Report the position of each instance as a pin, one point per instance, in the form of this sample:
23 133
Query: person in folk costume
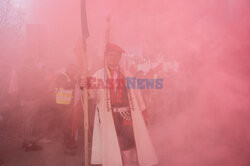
120 136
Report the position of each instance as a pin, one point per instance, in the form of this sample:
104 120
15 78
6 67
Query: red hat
111 47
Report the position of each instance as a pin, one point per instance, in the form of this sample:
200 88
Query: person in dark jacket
65 86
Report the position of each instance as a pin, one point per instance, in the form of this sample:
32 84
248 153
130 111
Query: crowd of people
48 105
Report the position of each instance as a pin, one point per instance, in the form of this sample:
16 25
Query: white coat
105 146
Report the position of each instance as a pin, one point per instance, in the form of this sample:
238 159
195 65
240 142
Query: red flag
85 30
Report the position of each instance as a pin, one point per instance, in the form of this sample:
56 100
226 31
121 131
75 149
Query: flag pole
85 106
85 35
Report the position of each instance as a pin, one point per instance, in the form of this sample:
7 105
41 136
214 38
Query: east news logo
128 83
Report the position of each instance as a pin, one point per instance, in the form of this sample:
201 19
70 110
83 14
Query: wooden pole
85 34
85 106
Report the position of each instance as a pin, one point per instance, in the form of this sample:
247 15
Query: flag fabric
81 42
84 21
78 52
81 58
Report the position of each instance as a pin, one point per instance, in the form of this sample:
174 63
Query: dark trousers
64 119
124 132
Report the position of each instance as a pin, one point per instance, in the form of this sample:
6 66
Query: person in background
65 85
30 92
